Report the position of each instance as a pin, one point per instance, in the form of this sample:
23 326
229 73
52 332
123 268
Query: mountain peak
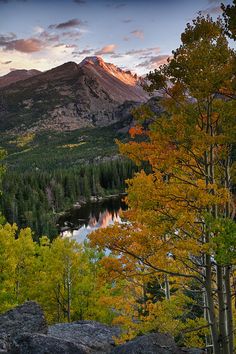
95 60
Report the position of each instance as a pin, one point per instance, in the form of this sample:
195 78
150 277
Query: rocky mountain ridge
69 97
17 75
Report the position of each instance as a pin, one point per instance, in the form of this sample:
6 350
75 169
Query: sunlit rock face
104 220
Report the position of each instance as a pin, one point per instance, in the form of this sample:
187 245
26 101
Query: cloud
108 49
126 38
214 10
68 24
115 56
86 51
23 45
71 46
127 20
4 38
58 45
145 51
72 34
6 62
80 2
116 6
49 37
138 34
38 29
154 62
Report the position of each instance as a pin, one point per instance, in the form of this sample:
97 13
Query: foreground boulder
153 343
97 337
23 330
34 343
28 317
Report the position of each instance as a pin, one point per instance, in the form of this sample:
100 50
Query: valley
59 129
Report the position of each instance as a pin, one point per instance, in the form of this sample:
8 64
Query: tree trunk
223 335
210 305
167 287
229 310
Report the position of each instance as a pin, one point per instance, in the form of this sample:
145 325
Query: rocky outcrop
153 343
42 344
26 318
97 337
24 330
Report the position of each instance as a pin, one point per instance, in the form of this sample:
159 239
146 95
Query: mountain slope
17 75
70 97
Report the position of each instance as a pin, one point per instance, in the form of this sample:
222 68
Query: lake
78 222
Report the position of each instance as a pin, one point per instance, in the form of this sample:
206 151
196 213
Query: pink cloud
24 45
145 51
108 49
154 62
138 34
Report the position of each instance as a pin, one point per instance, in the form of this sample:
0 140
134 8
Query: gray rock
41 344
154 343
3 343
93 335
194 351
24 330
28 317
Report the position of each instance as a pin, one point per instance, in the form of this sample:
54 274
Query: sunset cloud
71 46
144 51
86 51
49 37
68 24
4 38
38 29
72 34
23 45
154 62
108 49
6 62
138 34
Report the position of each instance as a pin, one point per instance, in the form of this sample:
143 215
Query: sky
138 35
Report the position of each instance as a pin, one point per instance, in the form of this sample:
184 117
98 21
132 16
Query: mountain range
17 75
69 97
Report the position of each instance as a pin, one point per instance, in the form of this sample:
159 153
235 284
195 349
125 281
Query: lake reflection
79 222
